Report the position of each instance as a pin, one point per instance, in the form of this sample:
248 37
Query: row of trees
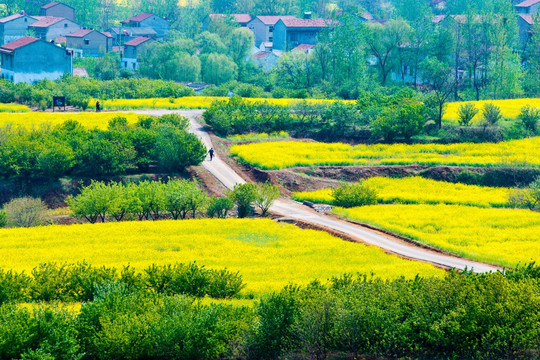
458 316
175 199
71 149
375 115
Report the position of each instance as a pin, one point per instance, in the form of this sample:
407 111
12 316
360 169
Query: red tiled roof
80 71
46 21
527 17
366 15
303 47
273 19
305 23
10 17
137 41
60 39
260 55
107 34
437 19
242 18
138 18
10 47
117 48
80 33
527 3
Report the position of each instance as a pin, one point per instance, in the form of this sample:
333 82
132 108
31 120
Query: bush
267 193
219 207
56 160
357 194
466 113
528 197
491 114
176 149
529 117
244 195
3 220
26 212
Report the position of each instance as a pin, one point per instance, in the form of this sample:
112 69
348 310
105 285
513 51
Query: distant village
37 47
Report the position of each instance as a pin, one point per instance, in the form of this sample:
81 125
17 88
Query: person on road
211 153
98 108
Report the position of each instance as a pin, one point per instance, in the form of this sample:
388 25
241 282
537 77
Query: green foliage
244 195
170 61
3 220
529 117
491 114
404 121
466 113
528 197
218 68
26 212
355 194
267 193
219 206
176 149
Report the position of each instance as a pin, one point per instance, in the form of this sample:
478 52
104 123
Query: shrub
528 197
357 194
3 220
26 212
466 113
491 114
529 117
55 160
244 195
267 193
176 149
219 207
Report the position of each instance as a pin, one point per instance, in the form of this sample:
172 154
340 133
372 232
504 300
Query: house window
270 39
25 20
65 25
86 41
271 29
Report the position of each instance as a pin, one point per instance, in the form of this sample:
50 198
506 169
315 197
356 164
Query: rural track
296 211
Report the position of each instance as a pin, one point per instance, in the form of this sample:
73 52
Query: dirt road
294 210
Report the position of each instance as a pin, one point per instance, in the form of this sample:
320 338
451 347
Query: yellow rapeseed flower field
510 108
498 236
190 102
419 190
268 255
16 108
87 119
283 154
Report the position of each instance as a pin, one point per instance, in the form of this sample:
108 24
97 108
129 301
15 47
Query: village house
289 33
266 60
58 9
122 35
304 48
30 59
147 20
14 27
263 27
241 20
132 49
528 7
91 42
525 23
49 27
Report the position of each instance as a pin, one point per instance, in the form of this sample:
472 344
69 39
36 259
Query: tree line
71 149
461 315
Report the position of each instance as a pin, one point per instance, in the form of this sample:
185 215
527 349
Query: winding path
291 209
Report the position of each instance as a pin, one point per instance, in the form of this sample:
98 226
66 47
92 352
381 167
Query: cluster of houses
37 47
54 37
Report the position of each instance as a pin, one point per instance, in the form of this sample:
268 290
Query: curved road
291 209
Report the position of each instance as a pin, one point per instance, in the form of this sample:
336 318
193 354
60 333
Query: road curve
291 209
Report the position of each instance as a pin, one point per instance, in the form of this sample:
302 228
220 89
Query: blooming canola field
284 154
267 254
87 119
510 108
498 236
418 190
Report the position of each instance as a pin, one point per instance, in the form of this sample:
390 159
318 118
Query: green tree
529 117
219 206
383 42
491 114
240 44
244 195
92 203
56 160
466 113
218 69
439 76
267 193
177 149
